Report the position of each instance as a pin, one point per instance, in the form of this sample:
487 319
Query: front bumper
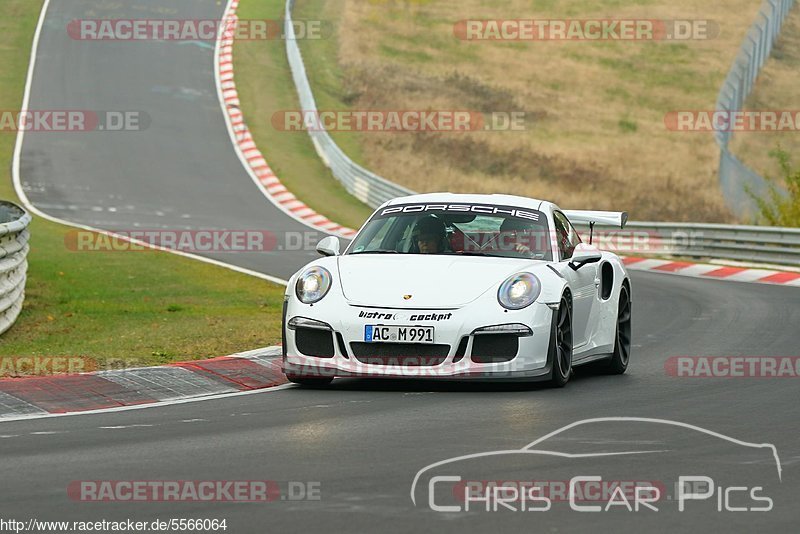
455 333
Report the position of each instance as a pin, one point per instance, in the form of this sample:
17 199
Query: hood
432 281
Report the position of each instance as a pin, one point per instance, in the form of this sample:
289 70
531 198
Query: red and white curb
271 184
713 272
37 396
32 397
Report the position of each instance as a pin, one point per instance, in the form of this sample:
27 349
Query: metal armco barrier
745 243
735 178
13 261
366 186
758 244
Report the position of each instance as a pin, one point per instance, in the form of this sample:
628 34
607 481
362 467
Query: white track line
15 174
232 133
245 146
151 405
15 171
248 355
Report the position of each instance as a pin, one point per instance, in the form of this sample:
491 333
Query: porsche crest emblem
406 297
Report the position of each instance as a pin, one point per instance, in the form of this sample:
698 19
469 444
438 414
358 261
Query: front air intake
494 348
314 342
406 354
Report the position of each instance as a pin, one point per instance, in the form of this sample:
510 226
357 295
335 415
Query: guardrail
743 243
363 184
758 244
14 248
735 177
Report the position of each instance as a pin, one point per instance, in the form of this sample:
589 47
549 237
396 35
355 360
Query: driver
430 235
519 233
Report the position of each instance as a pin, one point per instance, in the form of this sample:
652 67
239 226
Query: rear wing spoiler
610 218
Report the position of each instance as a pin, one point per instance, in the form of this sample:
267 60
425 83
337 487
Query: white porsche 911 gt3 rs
442 285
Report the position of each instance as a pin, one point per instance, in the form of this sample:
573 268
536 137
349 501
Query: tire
618 363
310 382
561 344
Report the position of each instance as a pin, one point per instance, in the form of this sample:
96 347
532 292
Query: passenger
430 236
516 235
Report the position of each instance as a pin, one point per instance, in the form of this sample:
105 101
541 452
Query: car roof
497 199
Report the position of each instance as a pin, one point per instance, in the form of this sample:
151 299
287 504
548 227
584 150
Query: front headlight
313 284
519 291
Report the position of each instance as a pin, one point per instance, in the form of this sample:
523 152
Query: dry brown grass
595 135
777 88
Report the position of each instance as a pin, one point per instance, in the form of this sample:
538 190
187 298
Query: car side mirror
584 254
329 246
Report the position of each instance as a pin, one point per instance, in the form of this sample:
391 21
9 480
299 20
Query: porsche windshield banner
478 209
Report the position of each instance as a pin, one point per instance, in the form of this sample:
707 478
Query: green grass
140 307
265 86
407 55
627 125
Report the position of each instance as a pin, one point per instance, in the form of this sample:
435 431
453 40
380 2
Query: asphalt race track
180 171
362 442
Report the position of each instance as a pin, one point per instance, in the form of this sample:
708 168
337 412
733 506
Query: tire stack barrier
14 248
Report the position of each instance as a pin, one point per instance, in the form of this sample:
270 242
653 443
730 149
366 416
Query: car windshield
456 229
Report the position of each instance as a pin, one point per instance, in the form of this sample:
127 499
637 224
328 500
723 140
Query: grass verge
265 86
146 308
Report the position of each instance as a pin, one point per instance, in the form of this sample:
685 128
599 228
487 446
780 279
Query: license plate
398 334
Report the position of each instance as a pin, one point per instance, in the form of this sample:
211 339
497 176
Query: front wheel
618 363
561 344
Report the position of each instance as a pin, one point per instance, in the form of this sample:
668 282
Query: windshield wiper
377 251
476 253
